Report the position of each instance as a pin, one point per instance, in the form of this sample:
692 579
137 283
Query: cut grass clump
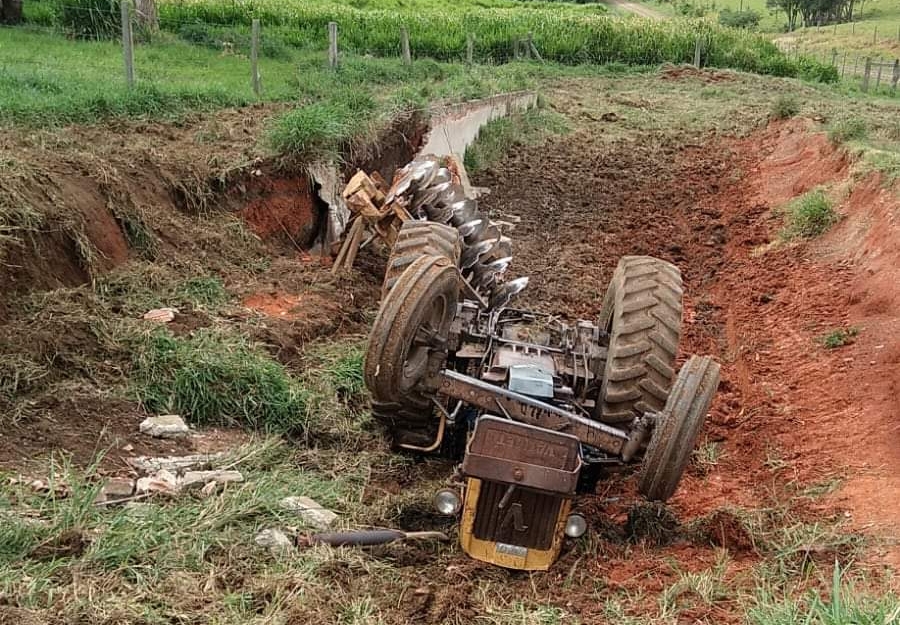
839 338
218 379
809 216
321 128
785 107
204 291
847 129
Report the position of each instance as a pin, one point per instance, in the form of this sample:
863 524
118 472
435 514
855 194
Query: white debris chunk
175 464
161 482
311 511
161 315
274 540
165 426
116 488
198 479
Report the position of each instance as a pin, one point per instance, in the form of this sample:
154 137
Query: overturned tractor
535 408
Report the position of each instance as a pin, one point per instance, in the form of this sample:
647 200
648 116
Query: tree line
814 12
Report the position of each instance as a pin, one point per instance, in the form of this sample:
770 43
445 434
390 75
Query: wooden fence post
834 57
697 53
878 75
534 50
127 43
516 51
843 65
332 45
470 48
528 45
896 77
254 57
868 71
404 46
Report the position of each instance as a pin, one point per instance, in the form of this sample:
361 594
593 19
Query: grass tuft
215 378
846 129
843 605
809 216
500 136
785 107
839 337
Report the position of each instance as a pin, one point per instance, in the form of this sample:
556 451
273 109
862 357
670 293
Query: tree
791 9
10 11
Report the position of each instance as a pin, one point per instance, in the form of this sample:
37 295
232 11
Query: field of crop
565 33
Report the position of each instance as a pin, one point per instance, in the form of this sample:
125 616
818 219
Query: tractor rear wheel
642 312
408 345
677 428
417 239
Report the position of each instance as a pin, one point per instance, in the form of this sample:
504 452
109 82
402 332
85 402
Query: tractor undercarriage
530 404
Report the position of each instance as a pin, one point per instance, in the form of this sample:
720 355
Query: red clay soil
788 411
281 207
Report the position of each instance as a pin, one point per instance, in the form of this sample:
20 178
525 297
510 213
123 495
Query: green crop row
561 32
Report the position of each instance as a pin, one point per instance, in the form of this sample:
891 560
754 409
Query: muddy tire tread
417 239
678 427
642 309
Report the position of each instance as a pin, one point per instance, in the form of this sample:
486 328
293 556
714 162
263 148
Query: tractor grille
528 519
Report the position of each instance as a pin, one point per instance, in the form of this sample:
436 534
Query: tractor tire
417 239
408 343
677 428
642 312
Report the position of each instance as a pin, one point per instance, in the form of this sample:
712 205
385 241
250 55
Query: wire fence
870 73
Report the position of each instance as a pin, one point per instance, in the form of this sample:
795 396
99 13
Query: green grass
785 107
847 128
843 604
212 378
501 135
839 337
809 216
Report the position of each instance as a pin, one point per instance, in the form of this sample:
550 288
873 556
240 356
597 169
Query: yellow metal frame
486 551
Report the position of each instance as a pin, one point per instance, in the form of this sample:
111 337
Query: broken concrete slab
310 511
175 464
165 426
161 482
116 488
274 540
199 479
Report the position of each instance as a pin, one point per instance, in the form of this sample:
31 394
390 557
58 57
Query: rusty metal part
438 439
531 411
523 455
364 538
639 435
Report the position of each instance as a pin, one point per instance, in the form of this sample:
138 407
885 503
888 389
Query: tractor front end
520 481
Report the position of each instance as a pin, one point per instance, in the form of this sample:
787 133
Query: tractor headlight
576 526
447 501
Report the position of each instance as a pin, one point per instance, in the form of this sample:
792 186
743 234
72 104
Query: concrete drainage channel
453 129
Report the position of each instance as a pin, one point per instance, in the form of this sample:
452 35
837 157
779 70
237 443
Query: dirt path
641 10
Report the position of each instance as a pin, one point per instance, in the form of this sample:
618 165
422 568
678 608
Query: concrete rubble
175 464
161 482
165 426
274 540
116 488
310 511
199 479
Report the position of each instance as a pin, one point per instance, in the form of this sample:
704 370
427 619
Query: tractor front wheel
677 428
408 346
